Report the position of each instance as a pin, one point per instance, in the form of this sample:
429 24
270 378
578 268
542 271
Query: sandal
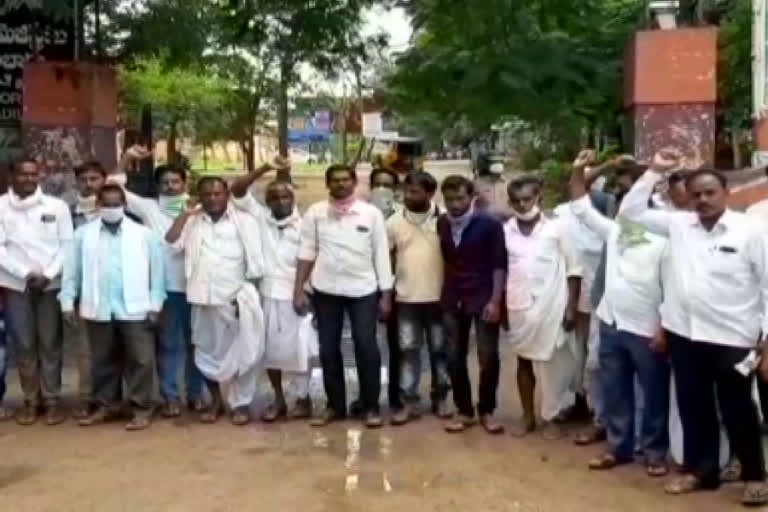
656 468
302 409
83 410
241 416
100 415
755 494
731 472
139 422
591 435
605 461
686 484
460 424
525 427
490 425
211 414
27 415
274 412
552 431
171 409
6 413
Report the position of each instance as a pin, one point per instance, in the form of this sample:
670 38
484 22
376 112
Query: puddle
10 475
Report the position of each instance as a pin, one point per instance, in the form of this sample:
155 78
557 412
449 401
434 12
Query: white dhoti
285 349
229 345
536 307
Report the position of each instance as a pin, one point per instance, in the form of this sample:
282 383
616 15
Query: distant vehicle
401 154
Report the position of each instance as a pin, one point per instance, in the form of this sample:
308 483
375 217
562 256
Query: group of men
606 303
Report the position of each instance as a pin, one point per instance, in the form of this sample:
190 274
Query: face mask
497 168
529 215
112 215
383 198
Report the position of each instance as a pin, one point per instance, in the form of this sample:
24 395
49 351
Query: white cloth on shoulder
229 344
249 231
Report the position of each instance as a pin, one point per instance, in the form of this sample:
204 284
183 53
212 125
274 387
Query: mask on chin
527 216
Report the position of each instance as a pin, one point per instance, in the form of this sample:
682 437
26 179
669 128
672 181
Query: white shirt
632 271
759 211
148 210
220 272
717 286
35 239
280 246
351 252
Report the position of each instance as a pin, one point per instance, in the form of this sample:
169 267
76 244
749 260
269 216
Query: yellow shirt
418 260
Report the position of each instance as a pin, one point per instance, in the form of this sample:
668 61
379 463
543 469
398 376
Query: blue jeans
174 345
3 356
623 356
417 322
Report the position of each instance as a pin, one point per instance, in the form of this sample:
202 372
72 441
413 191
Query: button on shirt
418 260
633 271
717 286
35 239
350 251
220 271
111 299
148 210
469 268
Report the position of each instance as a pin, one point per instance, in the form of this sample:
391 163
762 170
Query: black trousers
393 369
457 325
363 312
704 371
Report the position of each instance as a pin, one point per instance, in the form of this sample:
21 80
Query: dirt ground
184 466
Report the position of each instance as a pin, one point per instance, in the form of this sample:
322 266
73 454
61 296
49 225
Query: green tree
555 64
179 94
318 33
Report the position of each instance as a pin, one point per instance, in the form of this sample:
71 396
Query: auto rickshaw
401 154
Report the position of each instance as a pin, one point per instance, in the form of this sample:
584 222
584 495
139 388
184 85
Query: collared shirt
149 212
280 244
35 239
633 271
111 297
220 271
532 255
717 290
418 260
469 268
351 252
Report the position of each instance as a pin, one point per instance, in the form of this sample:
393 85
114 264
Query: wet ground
183 466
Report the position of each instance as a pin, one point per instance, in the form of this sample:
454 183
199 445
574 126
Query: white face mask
529 215
496 168
112 215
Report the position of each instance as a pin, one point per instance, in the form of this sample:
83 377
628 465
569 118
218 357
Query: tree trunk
205 157
344 138
736 147
171 149
248 154
282 116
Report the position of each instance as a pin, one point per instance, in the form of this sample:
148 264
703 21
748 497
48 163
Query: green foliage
179 93
735 66
552 63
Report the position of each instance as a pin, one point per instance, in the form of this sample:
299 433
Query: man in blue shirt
475 258
116 271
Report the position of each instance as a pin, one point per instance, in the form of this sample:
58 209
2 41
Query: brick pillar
70 112
670 92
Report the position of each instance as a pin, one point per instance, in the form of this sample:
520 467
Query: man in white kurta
542 293
222 251
285 350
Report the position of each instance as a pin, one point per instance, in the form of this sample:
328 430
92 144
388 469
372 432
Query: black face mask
281 211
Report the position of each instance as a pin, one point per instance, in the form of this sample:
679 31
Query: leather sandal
686 484
755 494
605 462
460 424
274 412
